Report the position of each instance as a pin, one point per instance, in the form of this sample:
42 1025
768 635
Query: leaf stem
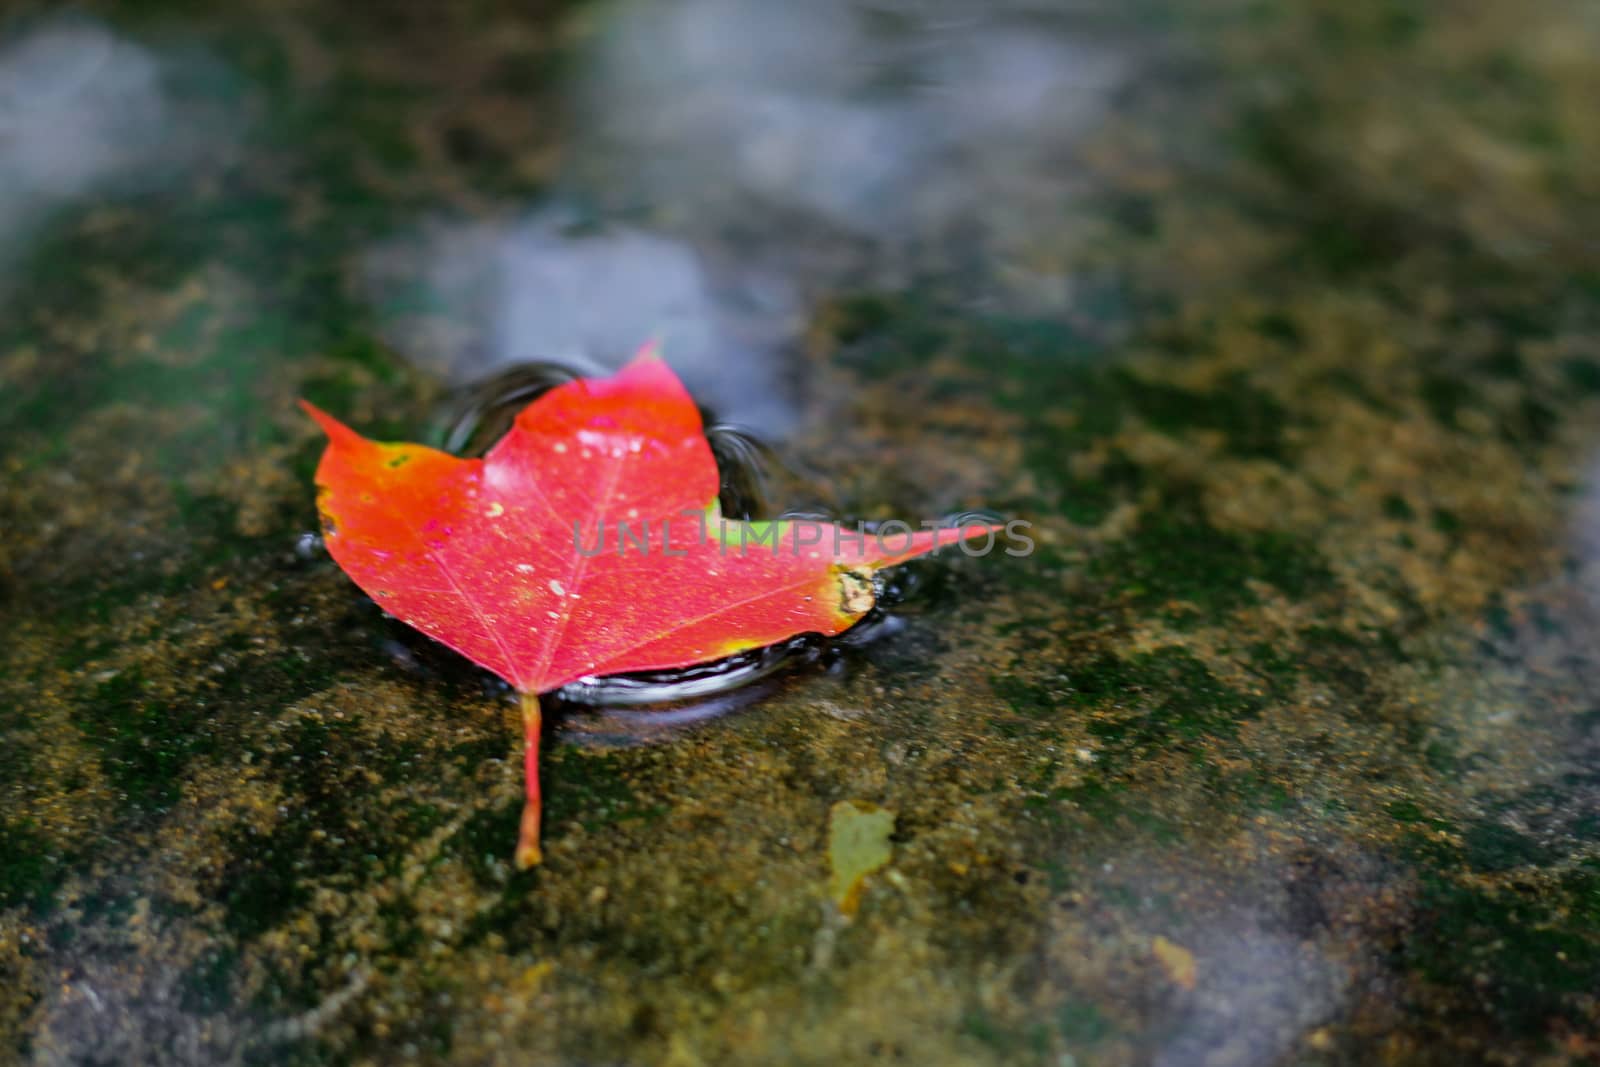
528 854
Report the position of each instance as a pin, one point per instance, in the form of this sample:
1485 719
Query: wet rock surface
1280 324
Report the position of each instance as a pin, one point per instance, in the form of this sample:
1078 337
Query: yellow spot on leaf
734 647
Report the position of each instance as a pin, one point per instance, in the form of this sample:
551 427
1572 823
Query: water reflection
550 288
765 158
892 121
85 111
650 706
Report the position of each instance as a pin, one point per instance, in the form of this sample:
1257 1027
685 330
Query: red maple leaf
587 542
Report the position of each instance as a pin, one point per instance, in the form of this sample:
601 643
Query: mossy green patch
591 788
332 826
207 985
1054 376
481 841
1086 499
1532 959
1080 1022
1251 421
30 871
1395 507
145 743
1157 699
1405 811
1446 396
1177 563
1251 789
1530 423
1491 846
1029 1044
1135 706
1582 374
1341 660
582 786
1339 233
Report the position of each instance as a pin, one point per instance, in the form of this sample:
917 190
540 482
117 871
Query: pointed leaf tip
338 432
923 543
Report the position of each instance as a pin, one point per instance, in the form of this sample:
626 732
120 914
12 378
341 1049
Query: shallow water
1281 323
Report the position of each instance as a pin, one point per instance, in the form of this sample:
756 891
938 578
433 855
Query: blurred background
1279 321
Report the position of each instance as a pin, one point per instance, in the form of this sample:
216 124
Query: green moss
1136 214
295 275
1524 957
206 986
1337 231
591 788
484 841
1446 395
1251 421
1447 522
1347 382
1395 507
1488 845
1440 756
1277 665
1505 362
1280 327
1087 499
1530 423
1079 1022
1156 697
1137 707
1177 563
886 334
1054 377
1030 1044
1032 365
582 786
1102 798
30 870
1249 790
1030 699
1582 374
265 887
1340 659
145 745
1404 811
1580 889
333 827
337 393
